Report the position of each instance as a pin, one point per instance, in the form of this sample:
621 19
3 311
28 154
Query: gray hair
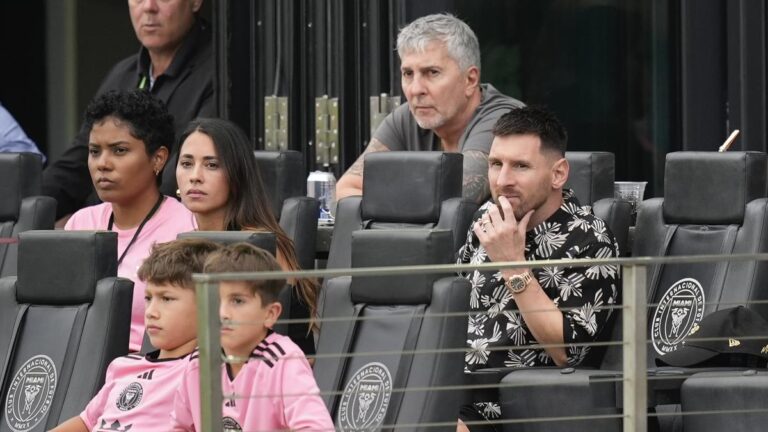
458 38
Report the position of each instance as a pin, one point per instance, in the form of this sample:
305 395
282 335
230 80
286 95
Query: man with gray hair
448 108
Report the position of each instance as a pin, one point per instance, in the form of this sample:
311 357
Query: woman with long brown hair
219 182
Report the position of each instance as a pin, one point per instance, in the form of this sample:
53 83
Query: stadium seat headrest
386 248
712 188
409 186
591 175
19 178
62 267
263 240
282 174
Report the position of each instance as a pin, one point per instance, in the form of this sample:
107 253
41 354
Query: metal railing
634 310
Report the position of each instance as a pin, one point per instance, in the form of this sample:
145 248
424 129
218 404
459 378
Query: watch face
516 283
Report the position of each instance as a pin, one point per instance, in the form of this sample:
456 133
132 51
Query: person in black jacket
175 64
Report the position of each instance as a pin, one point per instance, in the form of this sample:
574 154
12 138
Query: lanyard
138 230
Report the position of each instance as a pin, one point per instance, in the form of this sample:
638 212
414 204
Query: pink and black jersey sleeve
181 413
95 407
302 407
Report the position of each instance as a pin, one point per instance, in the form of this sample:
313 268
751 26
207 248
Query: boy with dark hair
269 385
138 390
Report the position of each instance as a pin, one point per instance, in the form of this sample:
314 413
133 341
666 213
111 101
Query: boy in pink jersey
272 386
138 390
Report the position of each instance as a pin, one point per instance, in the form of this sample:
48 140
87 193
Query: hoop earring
178 193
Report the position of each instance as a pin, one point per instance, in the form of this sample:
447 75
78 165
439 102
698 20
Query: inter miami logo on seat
230 425
366 398
679 310
130 397
30 393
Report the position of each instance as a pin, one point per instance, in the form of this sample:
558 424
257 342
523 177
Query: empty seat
724 391
591 178
285 182
62 321
20 207
404 190
714 203
371 327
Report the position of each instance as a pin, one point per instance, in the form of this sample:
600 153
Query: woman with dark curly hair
220 183
130 134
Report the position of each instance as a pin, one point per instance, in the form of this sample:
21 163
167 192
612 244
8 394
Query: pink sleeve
95 407
181 414
71 223
302 406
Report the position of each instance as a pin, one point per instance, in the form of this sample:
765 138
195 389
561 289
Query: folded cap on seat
726 337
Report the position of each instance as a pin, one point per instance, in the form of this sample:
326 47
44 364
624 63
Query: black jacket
186 87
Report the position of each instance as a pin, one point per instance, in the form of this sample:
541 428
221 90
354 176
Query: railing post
209 343
634 317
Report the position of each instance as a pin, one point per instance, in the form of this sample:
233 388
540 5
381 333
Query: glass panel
603 66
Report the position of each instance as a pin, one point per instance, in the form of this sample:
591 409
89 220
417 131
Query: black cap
735 336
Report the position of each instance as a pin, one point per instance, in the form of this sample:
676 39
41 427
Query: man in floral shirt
514 310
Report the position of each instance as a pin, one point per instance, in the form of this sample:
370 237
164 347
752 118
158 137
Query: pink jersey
275 390
137 395
170 219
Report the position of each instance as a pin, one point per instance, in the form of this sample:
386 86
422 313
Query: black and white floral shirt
571 232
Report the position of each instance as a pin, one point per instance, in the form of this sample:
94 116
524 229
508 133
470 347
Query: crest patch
679 311
230 425
30 393
366 398
130 397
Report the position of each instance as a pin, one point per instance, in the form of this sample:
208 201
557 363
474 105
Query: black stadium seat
369 357
591 177
714 204
285 182
62 321
263 240
20 207
404 190
724 391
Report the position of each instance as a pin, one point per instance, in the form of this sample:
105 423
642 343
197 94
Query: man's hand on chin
503 237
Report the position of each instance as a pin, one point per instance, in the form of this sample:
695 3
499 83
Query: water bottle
322 186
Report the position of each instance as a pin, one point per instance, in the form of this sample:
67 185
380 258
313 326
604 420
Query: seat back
263 240
284 178
20 207
383 334
714 203
591 178
591 175
62 321
404 190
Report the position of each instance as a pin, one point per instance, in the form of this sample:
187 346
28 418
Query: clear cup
630 191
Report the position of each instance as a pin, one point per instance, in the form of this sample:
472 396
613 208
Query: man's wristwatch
518 283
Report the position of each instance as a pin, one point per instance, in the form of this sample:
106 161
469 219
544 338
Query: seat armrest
484 383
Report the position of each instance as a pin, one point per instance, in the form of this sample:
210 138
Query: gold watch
519 282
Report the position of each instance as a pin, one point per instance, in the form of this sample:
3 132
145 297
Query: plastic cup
630 191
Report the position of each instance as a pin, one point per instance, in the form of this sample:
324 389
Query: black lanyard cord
138 230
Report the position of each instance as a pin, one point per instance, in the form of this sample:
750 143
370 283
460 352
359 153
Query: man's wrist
508 273
518 283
